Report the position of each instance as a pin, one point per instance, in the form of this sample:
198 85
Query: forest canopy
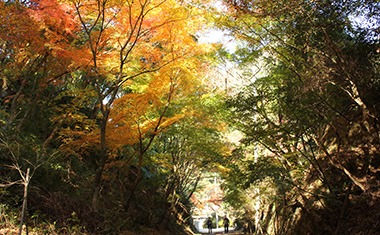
113 111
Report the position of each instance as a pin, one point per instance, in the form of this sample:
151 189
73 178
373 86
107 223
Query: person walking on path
209 225
226 223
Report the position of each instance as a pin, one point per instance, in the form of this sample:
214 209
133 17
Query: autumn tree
127 46
94 78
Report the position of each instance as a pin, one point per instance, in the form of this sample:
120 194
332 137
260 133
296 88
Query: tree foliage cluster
309 161
103 101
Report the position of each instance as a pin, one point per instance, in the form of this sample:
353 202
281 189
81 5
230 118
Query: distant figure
209 225
226 223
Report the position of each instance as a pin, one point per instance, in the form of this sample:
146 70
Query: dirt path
220 231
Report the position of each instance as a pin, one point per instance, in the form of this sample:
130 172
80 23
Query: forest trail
220 231
231 233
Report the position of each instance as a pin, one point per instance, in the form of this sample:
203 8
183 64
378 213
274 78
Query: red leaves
55 19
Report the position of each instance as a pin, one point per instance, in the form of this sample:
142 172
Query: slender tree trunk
97 185
100 167
24 202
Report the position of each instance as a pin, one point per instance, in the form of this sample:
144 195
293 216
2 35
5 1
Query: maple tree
139 56
96 82
99 77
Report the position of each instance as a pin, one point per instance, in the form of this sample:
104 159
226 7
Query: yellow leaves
122 34
136 116
135 104
132 116
78 142
223 170
78 135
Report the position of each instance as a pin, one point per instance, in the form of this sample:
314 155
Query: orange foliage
57 27
145 47
56 20
44 31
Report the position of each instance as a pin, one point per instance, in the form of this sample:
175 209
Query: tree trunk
24 202
100 167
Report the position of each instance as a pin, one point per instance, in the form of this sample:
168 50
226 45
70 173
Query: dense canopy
120 117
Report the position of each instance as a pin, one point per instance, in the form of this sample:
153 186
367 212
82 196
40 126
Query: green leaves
300 115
